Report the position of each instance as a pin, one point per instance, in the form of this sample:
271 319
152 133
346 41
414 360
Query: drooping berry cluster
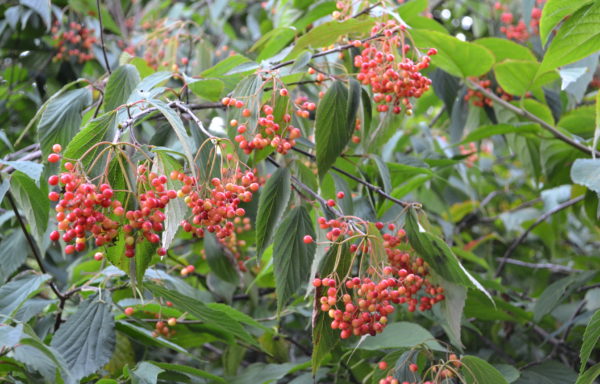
75 42
214 207
82 209
517 29
360 305
146 222
478 99
394 81
271 125
236 245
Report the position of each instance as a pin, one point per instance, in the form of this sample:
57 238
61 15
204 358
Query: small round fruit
54 235
382 365
129 311
172 322
98 256
53 158
56 148
340 195
413 367
307 239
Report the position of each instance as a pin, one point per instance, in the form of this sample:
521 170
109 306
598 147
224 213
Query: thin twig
102 37
370 186
530 116
540 220
182 107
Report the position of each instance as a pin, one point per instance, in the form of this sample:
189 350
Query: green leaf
549 372
262 373
209 89
144 336
61 119
220 263
188 371
346 203
273 42
14 293
39 357
328 33
504 49
509 372
401 335
33 203
558 291
333 130
452 311
540 110
586 172
30 168
578 37
87 339
553 12
272 202
292 258
589 376
120 85
94 131
590 339
42 8
517 77
384 172
10 336
456 57
210 316
478 371
13 253
146 373
177 125
485 131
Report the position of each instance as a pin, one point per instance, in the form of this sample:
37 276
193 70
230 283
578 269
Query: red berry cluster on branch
271 128
360 305
214 207
76 42
517 29
393 80
478 99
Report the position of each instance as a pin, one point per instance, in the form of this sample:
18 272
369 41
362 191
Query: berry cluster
271 129
214 207
146 222
471 150
518 30
236 245
82 208
392 81
76 42
478 99
360 305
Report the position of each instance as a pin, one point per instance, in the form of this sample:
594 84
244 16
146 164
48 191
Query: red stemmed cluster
517 30
215 207
76 42
236 245
393 81
270 129
146 222
478 99
82 208
360 305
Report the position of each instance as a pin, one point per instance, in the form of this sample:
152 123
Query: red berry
54 235
56 148
53 180
129 311
53 158
382 365
307 239
98 256
331 203
340 195
413 367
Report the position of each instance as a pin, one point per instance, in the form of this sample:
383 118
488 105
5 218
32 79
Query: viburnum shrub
359 303
299 191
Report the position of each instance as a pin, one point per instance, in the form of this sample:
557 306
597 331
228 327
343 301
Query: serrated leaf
94 131
589 376
586 172
517 77
456 57
486 131
87 339
578 37
120 85
189 371
13 253
39 357
401 335
218 261
210 316
292 258
10 336
15 292
30 168
273 199
553 12
146 373
558 291
332 128
32 202
504 49
345 203
590 339
61 119
209 89
384 172
328 33
452 311
478 371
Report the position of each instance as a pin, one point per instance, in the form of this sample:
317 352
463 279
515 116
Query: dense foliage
299 191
